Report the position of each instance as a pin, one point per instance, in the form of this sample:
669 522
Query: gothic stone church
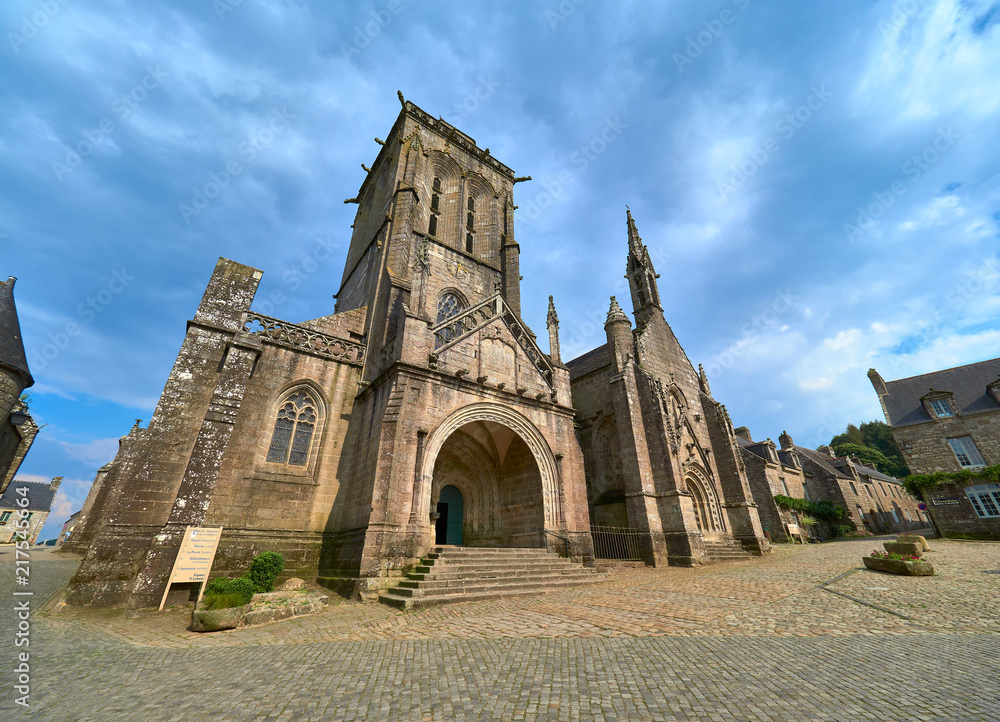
420 412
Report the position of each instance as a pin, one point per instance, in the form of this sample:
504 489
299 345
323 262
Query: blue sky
818 183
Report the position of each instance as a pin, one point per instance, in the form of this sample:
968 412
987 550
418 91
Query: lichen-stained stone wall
926 445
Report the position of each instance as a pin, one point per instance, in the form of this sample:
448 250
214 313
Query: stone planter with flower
903 564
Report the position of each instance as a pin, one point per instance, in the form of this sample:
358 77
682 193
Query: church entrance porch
487 489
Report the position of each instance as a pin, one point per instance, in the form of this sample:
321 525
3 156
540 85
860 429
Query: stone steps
464 574
721 551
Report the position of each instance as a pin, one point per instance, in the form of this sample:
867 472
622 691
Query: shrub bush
842 530
222 593
264 569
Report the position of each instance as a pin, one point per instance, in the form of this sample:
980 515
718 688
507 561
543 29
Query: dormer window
939 404
941 408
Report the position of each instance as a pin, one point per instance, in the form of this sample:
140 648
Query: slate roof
590 361
966 383
11 346
40 496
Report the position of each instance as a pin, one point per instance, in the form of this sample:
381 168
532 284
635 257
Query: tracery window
293 430
449 306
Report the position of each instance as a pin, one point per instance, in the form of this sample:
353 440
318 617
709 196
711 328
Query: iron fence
617 542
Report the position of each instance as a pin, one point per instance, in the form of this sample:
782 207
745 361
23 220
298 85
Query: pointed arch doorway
451 512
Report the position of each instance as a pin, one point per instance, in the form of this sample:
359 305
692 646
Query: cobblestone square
770 639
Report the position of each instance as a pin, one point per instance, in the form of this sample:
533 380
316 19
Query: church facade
421 412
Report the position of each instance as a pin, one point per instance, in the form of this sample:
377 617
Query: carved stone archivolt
532 437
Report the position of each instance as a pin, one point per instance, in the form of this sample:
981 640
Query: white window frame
942 408
985 499
966 452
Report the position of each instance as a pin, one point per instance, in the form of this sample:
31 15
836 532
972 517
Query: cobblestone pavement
761 640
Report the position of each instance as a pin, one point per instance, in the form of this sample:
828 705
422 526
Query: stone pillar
195 493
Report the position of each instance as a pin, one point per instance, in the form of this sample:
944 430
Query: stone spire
641 277
552 323
703 380
635 246
615 314
552 319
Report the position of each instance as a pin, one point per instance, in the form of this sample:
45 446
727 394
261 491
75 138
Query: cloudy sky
818 183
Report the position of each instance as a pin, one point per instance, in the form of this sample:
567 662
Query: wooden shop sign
194 558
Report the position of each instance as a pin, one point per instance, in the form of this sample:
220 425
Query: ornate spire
634 241
552 322
641 277
552 319
615 313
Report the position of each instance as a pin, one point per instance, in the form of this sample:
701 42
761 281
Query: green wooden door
453 498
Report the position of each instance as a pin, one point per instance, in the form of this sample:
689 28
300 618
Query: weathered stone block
915 538
896 566
904 548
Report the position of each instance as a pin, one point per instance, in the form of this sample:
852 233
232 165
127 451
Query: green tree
873 444
865 454
853 435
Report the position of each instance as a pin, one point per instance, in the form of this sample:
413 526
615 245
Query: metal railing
617 542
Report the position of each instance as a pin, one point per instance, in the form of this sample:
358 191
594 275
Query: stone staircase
725 551
465 574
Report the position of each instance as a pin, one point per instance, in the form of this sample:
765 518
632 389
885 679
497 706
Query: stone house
774 472
67 529
420 412
16 517
17 428
947 421
872 500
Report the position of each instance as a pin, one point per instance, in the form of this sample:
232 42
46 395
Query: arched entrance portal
492 473
450 509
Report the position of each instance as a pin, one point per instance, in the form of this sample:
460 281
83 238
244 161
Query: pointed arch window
449 306
470 224
435 207
293 430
